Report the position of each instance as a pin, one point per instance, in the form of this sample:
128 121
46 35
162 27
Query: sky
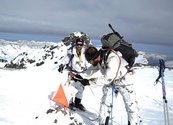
146 21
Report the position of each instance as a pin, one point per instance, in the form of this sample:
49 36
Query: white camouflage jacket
77 63
115 69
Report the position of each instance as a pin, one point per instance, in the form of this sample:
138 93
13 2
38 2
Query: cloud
138 21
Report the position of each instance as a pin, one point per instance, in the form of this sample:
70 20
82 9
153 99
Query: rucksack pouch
110 40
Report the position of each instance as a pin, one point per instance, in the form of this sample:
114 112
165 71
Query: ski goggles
79 44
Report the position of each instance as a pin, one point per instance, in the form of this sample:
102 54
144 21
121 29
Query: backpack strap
118 65
105 57
105 53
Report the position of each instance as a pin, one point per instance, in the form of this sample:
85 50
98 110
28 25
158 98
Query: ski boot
78 104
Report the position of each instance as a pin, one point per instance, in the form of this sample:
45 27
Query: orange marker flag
60 97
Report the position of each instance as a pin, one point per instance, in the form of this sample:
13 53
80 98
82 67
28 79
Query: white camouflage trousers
80 89
125 88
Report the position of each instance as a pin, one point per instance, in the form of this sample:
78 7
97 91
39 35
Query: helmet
91 53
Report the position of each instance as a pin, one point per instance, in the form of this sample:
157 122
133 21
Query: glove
61 67
93 81
85 82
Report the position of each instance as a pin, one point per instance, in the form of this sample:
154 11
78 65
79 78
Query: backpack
116 42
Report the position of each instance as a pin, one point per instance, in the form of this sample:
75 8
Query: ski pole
110 117
165 102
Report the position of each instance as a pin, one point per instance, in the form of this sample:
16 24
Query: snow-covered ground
24 96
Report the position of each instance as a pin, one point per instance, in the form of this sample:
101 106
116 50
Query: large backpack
116 42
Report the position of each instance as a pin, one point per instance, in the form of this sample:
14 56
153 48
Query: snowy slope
22 54
24 94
